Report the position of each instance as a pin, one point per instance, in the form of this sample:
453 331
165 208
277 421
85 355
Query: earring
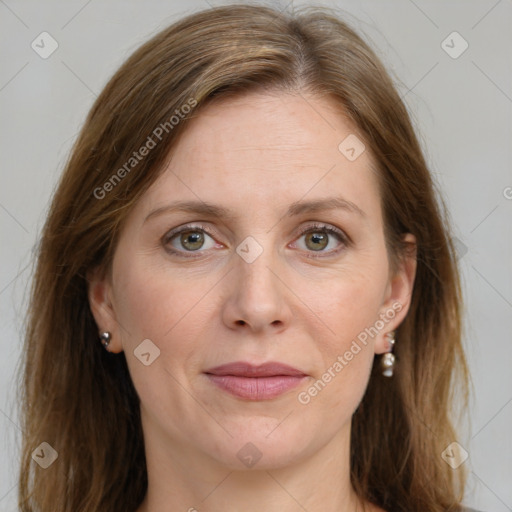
105 339
388 360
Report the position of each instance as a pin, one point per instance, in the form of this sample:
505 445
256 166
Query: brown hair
80 399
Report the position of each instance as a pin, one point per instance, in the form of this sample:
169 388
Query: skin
254 154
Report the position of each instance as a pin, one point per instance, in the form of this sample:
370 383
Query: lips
241 369
251 382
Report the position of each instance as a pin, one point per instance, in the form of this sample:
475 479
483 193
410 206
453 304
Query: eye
322 238
188 239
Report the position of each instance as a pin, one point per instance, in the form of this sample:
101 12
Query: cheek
155 304
148 302
350 302
151 304
348 308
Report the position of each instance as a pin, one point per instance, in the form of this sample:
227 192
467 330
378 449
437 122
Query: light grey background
462 108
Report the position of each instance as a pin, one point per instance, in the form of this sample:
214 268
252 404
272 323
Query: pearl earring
388 360
105 339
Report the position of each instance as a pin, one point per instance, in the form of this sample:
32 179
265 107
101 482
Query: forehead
260 150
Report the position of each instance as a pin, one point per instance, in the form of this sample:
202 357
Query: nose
258 298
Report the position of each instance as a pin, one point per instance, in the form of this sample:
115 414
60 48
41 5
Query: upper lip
243 369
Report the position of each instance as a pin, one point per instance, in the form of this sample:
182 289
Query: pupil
192 240
318 238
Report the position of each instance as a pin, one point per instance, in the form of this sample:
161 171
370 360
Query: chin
264 444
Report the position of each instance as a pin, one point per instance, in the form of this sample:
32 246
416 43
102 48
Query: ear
99 291
398 294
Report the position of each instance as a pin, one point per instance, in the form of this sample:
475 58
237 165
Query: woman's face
281 259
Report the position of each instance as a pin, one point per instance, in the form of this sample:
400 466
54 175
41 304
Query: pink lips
262 382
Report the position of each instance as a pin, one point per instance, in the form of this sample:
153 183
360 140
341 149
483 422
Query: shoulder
467 509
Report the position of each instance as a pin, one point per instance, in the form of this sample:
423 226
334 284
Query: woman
246 297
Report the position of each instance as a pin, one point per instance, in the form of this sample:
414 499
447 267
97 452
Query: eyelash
312 228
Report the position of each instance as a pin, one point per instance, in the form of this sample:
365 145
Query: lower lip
256 388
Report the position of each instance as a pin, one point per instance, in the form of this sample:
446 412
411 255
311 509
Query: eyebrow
220 212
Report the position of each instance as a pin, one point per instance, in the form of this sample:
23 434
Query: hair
80 398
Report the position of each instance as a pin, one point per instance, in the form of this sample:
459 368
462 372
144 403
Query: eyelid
186 227
323 226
